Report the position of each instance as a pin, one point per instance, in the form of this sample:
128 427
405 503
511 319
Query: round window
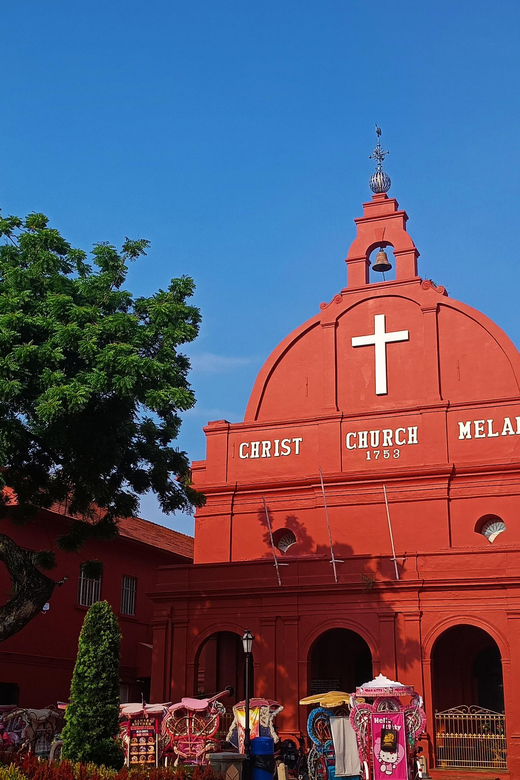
493 528
283 538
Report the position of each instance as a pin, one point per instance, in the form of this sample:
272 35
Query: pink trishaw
262 713
27 730
140 732
189 728
388 718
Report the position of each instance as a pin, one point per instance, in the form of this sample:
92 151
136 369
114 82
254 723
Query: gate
470 737
224 725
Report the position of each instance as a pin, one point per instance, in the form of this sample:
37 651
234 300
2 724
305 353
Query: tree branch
32 589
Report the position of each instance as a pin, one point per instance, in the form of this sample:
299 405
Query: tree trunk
30 588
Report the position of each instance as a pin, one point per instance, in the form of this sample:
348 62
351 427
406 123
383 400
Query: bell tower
382 224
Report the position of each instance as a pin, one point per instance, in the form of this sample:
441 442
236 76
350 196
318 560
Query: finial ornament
379 181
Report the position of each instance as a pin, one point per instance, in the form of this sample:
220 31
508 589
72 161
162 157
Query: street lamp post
247 644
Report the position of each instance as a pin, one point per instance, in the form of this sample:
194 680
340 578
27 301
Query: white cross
380 339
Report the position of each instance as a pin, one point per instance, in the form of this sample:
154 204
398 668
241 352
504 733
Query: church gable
389 345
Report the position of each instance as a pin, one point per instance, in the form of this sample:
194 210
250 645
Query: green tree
91 386
92 717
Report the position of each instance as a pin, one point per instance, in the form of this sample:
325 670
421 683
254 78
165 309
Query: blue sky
235 136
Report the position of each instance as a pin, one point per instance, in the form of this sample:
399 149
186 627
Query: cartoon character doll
389 751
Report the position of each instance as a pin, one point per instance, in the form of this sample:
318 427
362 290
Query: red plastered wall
40 658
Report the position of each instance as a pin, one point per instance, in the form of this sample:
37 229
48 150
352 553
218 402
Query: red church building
392 418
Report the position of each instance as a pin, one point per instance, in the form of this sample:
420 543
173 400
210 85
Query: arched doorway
467 669
468 699
339 660
220 662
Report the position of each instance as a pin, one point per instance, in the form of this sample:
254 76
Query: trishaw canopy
330 699
382 686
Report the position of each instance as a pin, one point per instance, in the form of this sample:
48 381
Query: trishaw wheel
311 763
317 765
321 769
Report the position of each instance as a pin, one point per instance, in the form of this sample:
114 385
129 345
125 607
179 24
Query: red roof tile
156 536
135 528
143 531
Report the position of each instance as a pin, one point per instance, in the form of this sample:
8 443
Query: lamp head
247 641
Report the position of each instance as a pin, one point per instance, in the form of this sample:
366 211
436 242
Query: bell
381 263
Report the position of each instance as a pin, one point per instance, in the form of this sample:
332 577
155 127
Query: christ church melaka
364 518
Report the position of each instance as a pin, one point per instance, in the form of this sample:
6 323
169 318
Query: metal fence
224 724
470 737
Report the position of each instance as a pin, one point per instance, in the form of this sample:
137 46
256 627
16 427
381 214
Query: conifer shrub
92 717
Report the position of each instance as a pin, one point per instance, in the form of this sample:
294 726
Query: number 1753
385 454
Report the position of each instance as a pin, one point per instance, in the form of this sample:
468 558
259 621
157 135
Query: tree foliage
91 384
92 717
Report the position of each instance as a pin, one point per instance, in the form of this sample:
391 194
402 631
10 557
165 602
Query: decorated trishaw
262 713
140 732
189 728
334 747
30 730
388 718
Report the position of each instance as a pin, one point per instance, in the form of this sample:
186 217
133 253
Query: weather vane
379 181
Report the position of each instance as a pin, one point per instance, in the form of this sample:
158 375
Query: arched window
283 538
490 526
